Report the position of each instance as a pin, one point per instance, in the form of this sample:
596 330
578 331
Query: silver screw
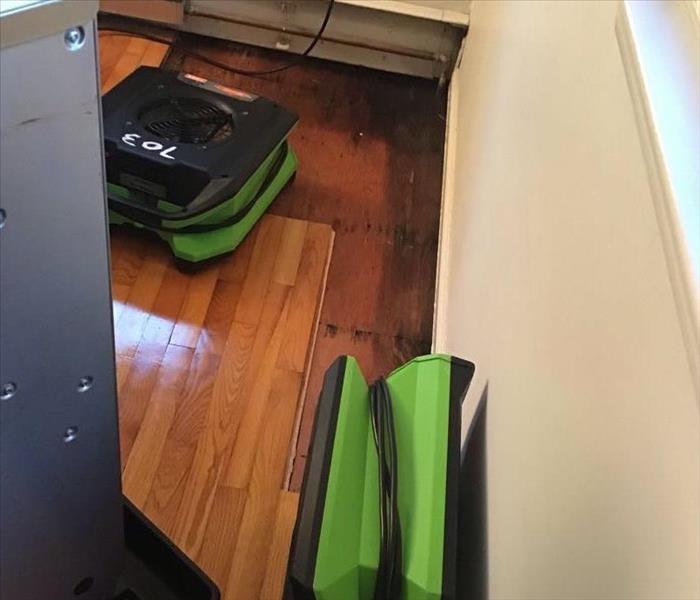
3 217
8 390
70 434
74 38
85 383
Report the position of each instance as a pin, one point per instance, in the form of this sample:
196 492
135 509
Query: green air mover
359 536
196 162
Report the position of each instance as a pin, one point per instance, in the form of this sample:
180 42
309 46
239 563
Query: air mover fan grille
186 120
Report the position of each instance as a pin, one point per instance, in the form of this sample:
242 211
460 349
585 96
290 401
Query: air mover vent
186 120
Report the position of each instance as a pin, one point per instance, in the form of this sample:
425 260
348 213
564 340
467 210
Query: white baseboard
382 34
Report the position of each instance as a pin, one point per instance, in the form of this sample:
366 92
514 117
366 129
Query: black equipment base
155 568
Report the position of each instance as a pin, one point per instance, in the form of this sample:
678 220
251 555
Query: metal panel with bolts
60 500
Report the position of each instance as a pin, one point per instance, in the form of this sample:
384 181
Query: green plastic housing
197 247
426 398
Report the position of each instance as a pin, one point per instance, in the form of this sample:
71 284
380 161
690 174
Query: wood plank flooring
210 372
370 146
211 369
120 55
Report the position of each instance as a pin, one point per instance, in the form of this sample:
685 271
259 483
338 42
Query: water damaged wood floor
219 371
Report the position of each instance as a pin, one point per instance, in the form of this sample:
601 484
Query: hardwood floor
370 146
205 435
211 369
120 55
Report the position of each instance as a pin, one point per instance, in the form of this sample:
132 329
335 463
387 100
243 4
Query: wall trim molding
382 34
447 209
443 15
672 230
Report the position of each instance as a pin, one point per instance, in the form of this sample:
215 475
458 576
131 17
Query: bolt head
85 383
7 390
74 38
70 434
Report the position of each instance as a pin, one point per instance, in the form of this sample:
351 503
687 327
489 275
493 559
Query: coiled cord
388 582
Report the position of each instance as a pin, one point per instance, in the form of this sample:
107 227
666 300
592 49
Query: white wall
553 281
461 6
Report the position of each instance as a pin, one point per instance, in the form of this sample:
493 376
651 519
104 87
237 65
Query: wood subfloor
370 146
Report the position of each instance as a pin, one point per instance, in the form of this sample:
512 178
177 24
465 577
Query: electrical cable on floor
111 30
388 581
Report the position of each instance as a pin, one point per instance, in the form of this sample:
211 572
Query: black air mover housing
170 135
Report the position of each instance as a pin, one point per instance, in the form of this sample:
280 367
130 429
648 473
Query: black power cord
230 68
388 582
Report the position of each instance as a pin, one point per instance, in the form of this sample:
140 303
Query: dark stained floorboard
370 147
